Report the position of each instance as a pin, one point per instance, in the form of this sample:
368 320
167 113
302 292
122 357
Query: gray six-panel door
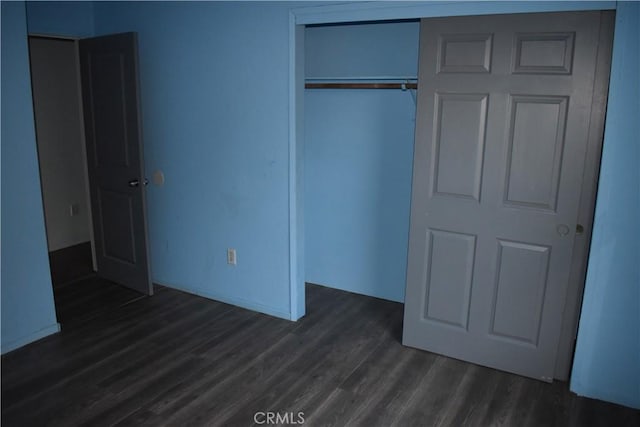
502 127
109 72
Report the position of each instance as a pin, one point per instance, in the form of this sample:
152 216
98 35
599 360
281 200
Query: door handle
563 229
136 183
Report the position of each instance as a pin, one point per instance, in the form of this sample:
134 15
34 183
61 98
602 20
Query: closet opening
480 106
359 120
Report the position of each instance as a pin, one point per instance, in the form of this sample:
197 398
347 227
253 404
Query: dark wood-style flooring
70 264
178 359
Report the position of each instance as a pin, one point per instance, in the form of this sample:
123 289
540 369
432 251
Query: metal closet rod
361 83
403 86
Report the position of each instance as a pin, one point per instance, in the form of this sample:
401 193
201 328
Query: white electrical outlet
74 209
231 256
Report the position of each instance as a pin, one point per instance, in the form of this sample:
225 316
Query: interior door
503 116
109 74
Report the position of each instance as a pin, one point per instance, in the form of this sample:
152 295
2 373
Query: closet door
503 114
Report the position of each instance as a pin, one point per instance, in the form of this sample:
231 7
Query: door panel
544 53
109 74
535 152
117 226
450 258
502 124
519 291
458 160
464 53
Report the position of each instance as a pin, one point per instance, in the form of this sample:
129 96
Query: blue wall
27 298
607 359
358 159
214 85
214 89
60 18
362 50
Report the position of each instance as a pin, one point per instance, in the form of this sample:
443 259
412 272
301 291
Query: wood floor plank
396 390
471 399
70 264
120 406
65 369
502 400
232 353
434 394
280 357
360 388
178 359
522 409
316 373
73 341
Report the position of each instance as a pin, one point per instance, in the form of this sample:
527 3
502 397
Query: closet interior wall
358 155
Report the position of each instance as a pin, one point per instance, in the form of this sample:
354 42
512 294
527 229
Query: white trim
42 333
293 193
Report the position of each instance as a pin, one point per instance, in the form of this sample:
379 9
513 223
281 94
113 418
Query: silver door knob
563 229
135 182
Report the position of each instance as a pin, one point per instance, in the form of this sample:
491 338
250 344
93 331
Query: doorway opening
55 78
